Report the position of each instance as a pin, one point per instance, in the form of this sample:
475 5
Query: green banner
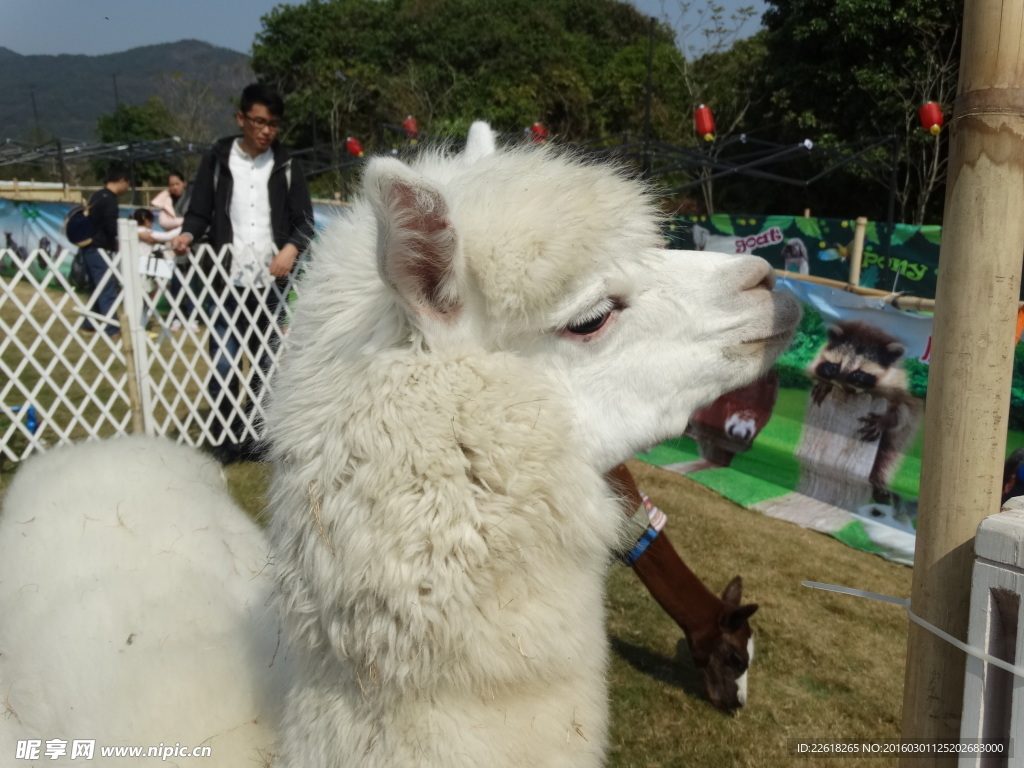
904 260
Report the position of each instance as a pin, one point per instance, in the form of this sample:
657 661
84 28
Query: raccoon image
860 417
858 357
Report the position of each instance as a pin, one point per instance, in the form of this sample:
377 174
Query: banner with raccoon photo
830 439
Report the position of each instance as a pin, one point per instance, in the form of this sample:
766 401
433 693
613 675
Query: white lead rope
905 603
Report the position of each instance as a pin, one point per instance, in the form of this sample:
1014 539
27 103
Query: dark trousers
185 308
103 299
238 324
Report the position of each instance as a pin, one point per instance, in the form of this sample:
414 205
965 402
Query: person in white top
144 218
250 194
146 234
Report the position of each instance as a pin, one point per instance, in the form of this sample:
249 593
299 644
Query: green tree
723 79
839 71
351 65
129 124
711 65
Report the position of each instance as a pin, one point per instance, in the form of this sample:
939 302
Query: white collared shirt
253 243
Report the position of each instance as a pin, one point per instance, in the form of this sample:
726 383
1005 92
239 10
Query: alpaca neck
676 588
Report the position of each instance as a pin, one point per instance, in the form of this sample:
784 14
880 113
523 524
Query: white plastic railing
60 382
994 697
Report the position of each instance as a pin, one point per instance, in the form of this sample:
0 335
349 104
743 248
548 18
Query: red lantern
539 132
353 146
705 122
411 127
931 118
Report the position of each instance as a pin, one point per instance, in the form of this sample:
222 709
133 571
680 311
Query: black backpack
79 229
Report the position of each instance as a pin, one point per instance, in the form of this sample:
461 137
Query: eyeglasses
262 122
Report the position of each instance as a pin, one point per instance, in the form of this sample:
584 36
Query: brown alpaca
717 629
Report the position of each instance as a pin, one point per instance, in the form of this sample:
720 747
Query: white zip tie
970 650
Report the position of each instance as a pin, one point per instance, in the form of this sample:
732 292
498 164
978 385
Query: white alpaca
475 344
132 594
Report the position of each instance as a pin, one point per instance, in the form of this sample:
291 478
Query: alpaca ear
480 142
418 252
733 620
733 592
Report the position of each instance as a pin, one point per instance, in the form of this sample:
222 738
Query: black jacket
103 213
209 210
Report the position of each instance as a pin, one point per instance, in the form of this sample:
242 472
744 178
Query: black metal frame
754 156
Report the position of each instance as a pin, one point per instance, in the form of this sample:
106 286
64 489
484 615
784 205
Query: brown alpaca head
723 650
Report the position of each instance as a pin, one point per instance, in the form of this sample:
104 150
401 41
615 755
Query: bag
79 229
79 274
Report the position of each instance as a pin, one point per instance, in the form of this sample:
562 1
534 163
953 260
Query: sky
96 27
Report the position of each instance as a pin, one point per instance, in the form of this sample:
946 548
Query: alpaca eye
588 327
736 661
596 319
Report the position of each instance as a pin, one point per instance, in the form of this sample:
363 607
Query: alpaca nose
761 275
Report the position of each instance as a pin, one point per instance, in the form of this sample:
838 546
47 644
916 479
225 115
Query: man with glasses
250 194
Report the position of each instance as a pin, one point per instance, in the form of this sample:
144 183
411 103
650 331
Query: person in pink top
170 206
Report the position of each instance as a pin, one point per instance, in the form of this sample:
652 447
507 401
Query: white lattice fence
60 382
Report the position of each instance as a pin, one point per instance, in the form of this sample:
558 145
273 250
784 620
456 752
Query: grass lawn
826 666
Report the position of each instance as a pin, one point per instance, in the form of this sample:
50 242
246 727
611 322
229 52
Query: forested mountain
72 91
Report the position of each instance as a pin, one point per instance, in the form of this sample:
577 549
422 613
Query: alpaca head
723 652
554 259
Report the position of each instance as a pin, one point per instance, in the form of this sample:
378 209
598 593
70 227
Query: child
144 218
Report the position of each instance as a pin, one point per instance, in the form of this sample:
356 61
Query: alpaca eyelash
600 310
588 325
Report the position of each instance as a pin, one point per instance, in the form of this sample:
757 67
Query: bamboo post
910 303
131 374
969 382
857 254
837 284
133 334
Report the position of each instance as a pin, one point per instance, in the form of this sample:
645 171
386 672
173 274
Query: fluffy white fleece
440 540
442 562
439 519
132 593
